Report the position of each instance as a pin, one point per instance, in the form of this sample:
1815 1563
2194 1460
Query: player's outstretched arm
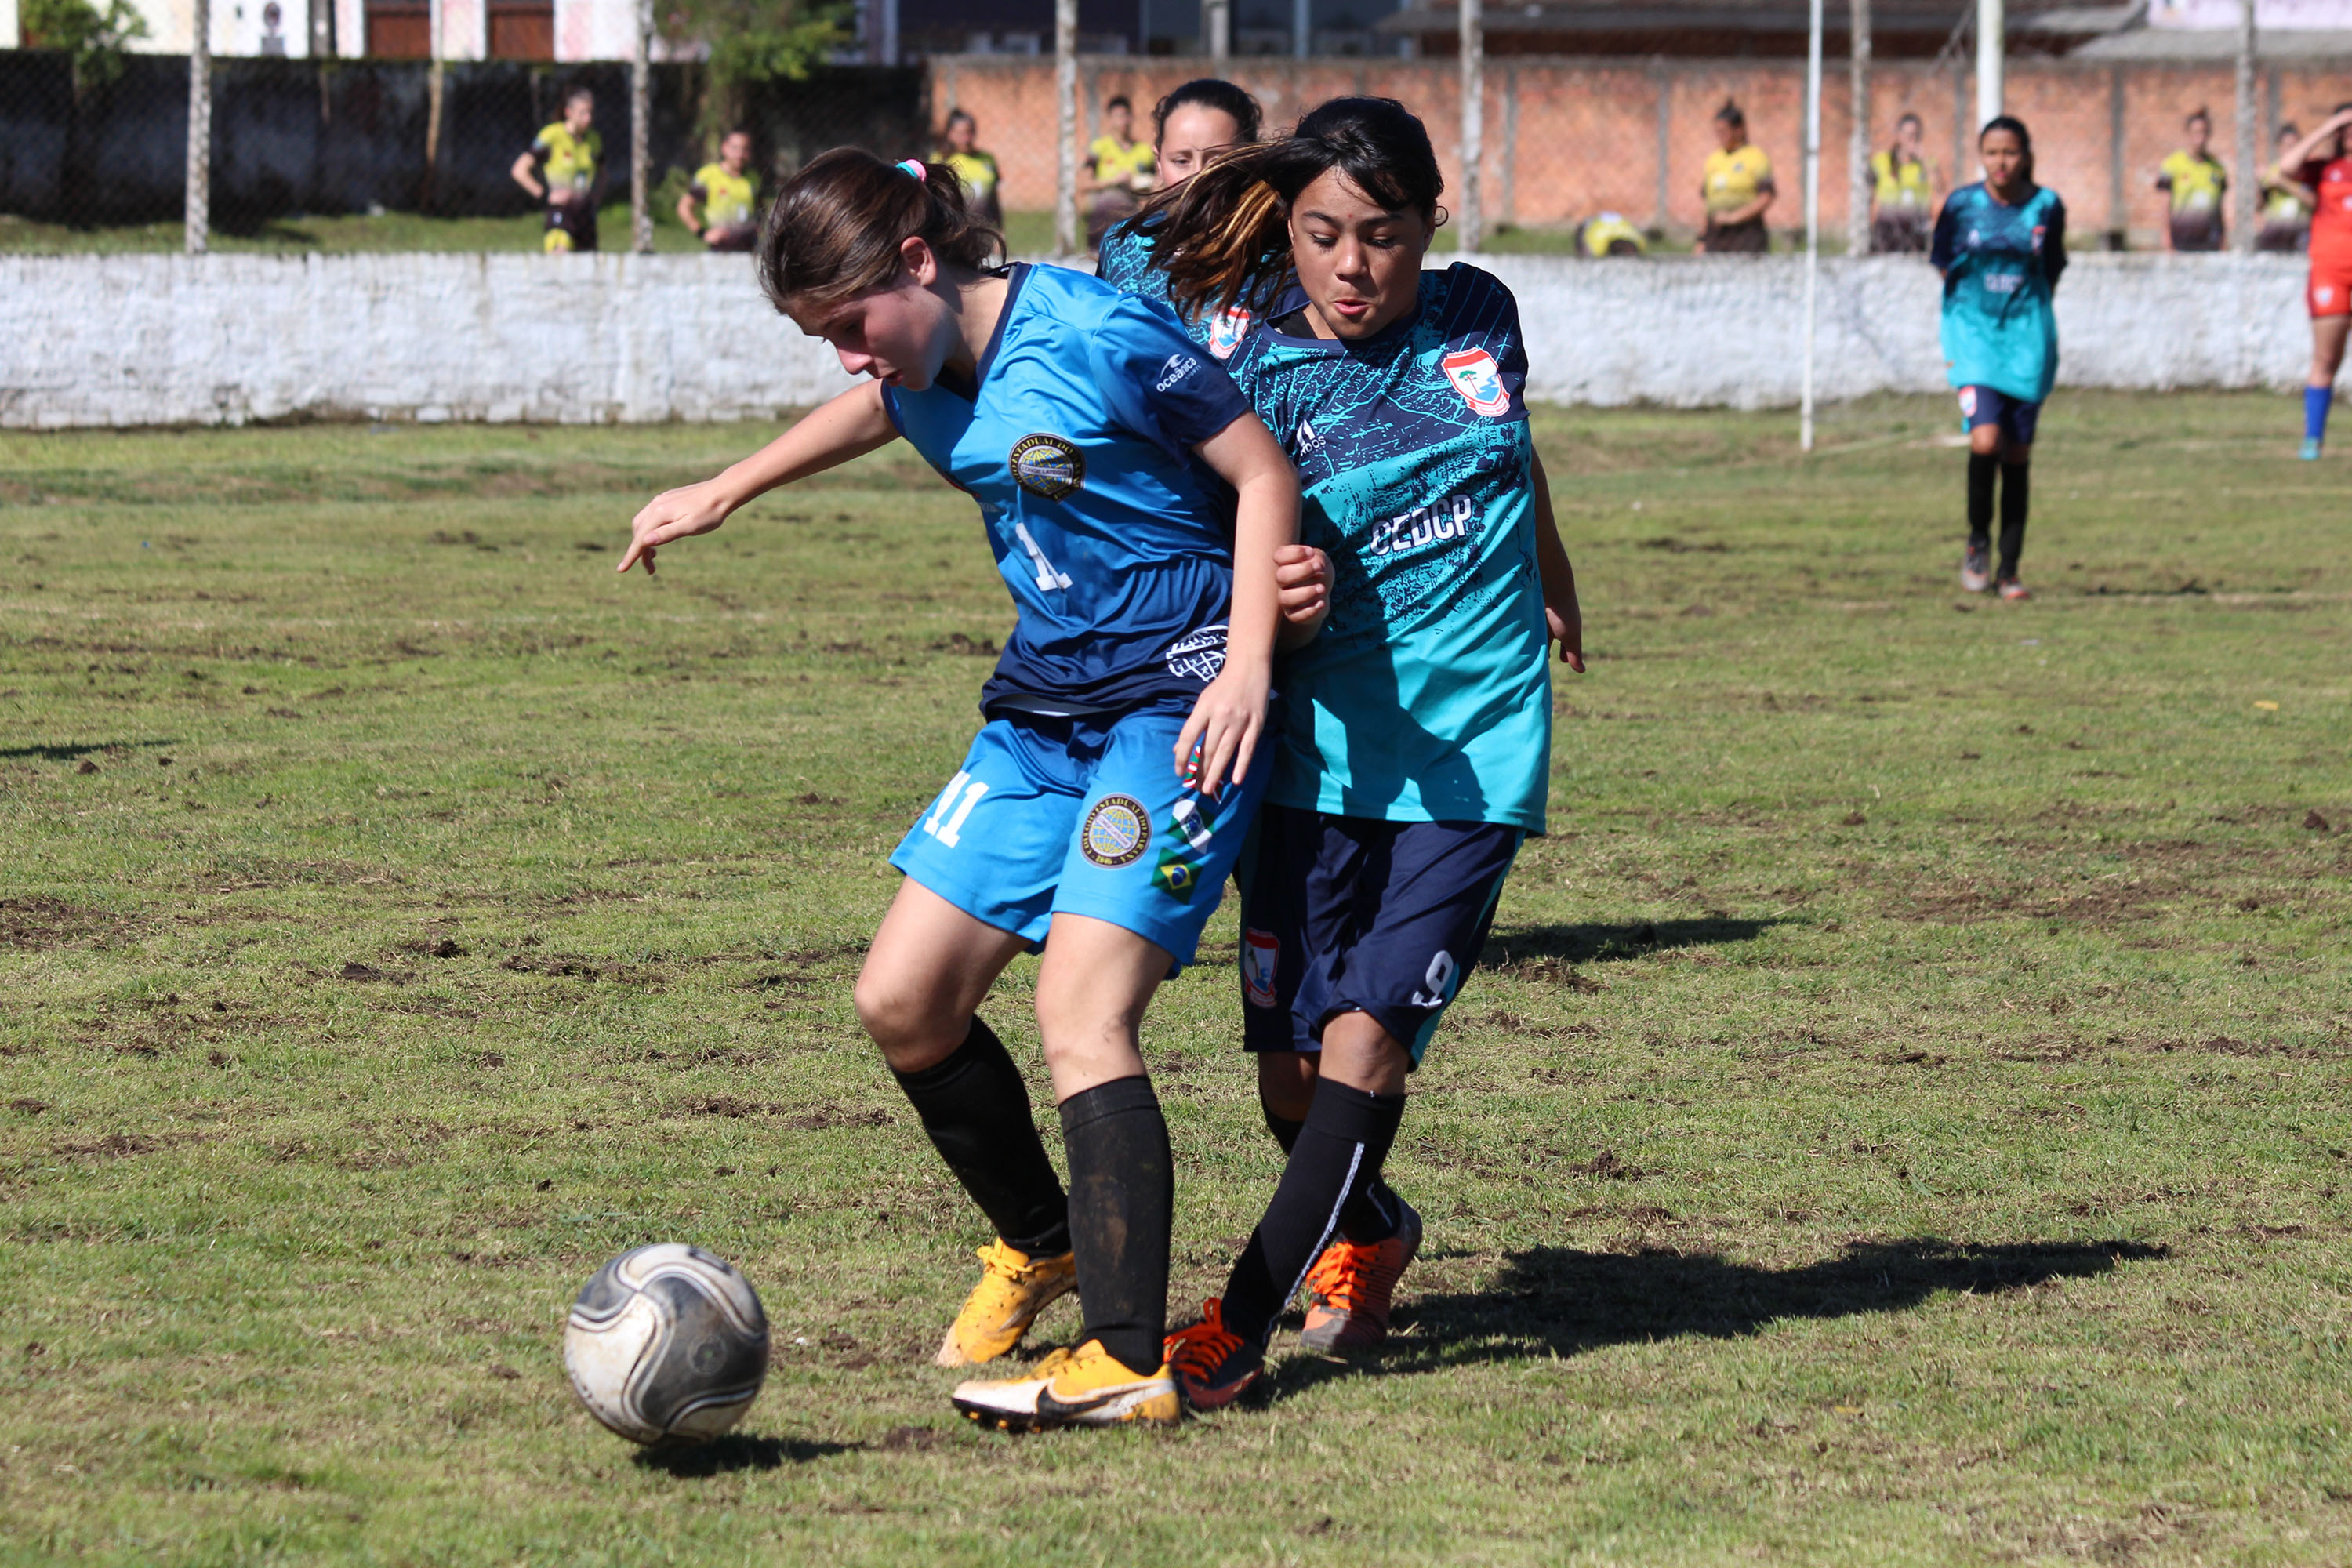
849 426
1226 721
1563 617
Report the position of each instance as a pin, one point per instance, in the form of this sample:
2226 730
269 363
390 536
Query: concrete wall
166 340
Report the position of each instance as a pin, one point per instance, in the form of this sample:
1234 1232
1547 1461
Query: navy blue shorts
1351 914
2016 417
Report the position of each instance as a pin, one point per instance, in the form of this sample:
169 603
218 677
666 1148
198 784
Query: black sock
976 1108
1122 1207
2014 494
1373 1211
1338 1154
1982 466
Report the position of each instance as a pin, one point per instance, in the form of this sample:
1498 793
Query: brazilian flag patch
1175 876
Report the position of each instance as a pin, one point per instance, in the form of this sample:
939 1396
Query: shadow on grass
67 754
737 1452
1608 944
1555 1300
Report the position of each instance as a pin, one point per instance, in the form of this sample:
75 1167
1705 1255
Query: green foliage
753 44
96 39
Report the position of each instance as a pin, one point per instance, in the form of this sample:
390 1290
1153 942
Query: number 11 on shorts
944 826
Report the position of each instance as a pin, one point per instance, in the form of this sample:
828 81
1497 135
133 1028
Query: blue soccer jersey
2000 264
1076 442
1125 263
1426 697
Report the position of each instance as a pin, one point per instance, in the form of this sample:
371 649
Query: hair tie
914 168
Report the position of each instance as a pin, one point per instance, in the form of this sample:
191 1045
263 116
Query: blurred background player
1609 234
1200 119
1122 169
1902 193
728 195
1111 785
1736 183
2196 182
1414 747
2000 245
564 167
2287 202
2323 162
959 151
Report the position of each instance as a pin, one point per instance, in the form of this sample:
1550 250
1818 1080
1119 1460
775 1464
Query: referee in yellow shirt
1123 170
564 167
1737 186
2196 181
728 195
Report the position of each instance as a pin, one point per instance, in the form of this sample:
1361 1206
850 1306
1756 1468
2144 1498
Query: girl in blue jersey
1414 755
2000 245
1105 798
1197 122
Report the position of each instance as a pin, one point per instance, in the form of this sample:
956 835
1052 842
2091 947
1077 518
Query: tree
752 43
95 39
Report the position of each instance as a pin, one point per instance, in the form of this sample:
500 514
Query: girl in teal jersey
1111 788
1414 753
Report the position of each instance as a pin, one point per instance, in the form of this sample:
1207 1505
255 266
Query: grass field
1903 1119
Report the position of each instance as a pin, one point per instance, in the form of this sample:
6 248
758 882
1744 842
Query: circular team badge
1048 465
1118 831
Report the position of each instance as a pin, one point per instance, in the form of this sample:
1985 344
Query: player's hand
674 514
1566 624
1222 732
1302 581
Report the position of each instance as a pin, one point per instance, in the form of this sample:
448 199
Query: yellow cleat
1082 1387
1013 1288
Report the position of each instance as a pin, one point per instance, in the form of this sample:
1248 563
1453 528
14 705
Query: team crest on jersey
1117 832
1261 960
2039 230
1968 402
1048 465
1227 330
1478 379
1200 655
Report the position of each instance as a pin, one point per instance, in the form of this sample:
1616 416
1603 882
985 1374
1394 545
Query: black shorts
1351 914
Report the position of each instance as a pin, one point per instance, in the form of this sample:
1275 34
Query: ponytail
835 228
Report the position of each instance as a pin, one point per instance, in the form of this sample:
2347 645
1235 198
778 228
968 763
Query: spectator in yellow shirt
728 193
564 167
2287 203
975 168
2196 181
1123 170
1902 193
1737 186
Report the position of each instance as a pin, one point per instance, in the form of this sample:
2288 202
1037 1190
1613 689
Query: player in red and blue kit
1414 753
1135 505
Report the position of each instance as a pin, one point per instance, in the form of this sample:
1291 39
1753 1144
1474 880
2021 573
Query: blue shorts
1351 914
1082 817
2016 417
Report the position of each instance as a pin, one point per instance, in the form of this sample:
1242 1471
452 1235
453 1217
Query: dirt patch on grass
46 925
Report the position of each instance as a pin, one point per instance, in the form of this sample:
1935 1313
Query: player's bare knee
913 1031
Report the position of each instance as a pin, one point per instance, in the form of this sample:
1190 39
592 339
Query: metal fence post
641 114
1992 47
1474 122
1065 126
1859 184
2250 173
1217 20
1812 217
200 130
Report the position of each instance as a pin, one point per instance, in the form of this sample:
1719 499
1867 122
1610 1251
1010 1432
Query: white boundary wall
177 339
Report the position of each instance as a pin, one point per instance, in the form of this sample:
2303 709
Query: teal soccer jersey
1426 697
1124 262
1115 539
2001 265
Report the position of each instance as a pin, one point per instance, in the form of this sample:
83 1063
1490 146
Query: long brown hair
1226 238
835 228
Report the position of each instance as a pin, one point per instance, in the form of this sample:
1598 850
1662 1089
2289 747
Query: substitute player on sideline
2323 161
1192 125
564 167
1103 802
2000 245
728 193
1415 756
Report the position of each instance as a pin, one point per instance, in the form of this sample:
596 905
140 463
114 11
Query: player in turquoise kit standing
1192 125
2000 245
1103 802
1415 752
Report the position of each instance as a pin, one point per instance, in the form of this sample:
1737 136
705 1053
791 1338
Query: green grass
338 234
1902 1119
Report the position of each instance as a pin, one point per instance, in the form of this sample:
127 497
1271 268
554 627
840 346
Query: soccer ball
667 1345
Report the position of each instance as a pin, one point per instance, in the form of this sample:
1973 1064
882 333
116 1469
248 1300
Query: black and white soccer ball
667 1345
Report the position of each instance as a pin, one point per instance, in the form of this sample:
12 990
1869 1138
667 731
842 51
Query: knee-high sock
1338 1154
1122 1206
2015 491
976 1108
2316 400
1981 468
1372 1212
